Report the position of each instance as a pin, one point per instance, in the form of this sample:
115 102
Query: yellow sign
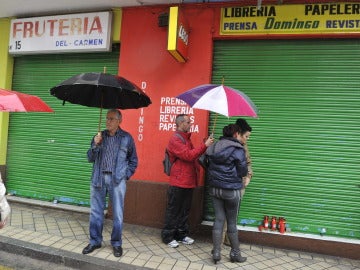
330 18
178 36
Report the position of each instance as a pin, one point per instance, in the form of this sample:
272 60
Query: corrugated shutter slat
305 143
47 151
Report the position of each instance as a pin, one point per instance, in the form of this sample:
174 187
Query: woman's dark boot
235 254
216 252
216 255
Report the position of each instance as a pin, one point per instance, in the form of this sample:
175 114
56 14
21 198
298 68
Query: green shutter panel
47 151
305 145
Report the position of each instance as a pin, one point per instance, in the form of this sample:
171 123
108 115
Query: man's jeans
97 201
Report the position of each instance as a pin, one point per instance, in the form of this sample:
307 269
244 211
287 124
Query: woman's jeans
226 205
97 202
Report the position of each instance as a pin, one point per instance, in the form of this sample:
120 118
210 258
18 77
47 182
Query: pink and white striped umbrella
220 99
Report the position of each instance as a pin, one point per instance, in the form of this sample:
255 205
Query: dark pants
226 207
177 214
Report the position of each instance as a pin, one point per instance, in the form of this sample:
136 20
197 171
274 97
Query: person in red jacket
183 179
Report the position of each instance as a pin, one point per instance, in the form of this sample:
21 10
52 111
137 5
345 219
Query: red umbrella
13 101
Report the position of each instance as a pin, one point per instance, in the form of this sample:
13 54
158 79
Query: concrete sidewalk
58 233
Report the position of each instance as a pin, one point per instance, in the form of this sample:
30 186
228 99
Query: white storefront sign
62 33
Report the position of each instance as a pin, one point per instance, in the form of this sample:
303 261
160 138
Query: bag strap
181 137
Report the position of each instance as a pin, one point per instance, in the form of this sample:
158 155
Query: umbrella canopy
101 90
13 101
220 99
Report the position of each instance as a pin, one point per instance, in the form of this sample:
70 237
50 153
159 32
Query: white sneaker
187 241
173 244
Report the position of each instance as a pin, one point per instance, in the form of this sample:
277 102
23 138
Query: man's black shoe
90 248
118 251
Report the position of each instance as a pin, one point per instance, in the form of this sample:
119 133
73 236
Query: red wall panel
144 59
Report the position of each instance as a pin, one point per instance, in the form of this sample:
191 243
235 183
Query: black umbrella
101 90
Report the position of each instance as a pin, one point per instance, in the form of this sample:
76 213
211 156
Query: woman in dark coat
226 168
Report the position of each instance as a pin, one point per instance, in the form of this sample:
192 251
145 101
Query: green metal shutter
46 156
305 145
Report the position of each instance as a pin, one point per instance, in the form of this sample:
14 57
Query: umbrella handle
213 128
102 97
100 120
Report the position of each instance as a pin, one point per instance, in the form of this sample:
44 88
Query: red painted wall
144 59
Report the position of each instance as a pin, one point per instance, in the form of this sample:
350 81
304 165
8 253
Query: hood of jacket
220 149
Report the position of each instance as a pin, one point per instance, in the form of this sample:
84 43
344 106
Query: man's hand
98 138
209 141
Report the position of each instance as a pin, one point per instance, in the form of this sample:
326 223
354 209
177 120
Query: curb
60 257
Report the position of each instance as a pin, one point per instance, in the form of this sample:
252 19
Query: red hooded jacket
185 168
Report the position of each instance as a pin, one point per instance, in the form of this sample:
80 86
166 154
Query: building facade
296 61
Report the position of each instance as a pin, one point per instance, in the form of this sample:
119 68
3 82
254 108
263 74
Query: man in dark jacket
183 179
114 158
